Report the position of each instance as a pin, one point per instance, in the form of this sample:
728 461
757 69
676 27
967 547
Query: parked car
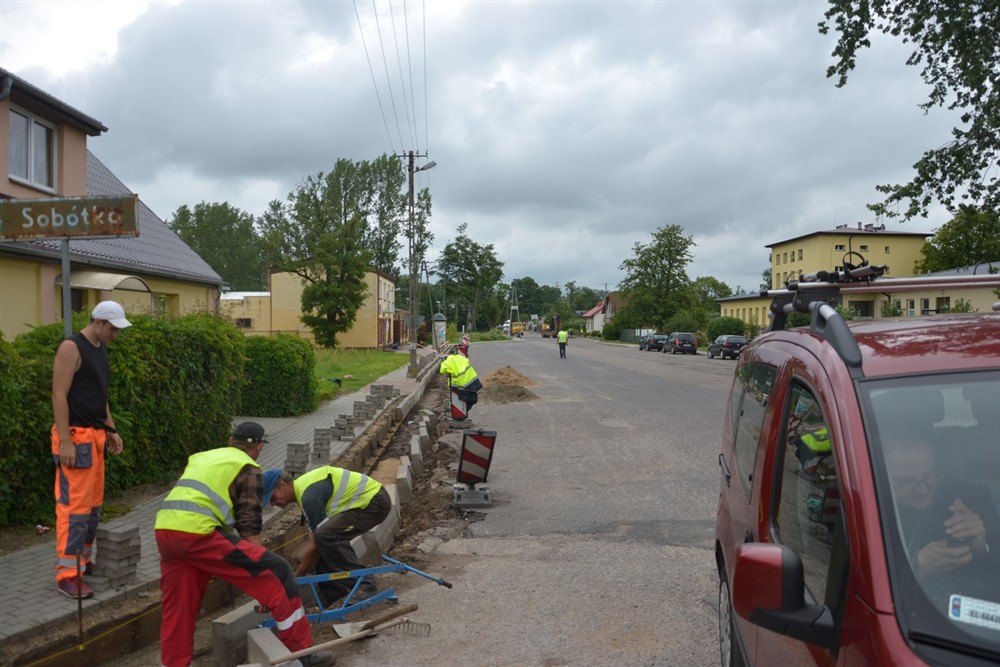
681 341
655 342
726 346
851 453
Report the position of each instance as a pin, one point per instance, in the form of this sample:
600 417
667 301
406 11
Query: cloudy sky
563 131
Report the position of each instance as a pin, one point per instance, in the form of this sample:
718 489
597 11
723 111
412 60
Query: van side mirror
768 590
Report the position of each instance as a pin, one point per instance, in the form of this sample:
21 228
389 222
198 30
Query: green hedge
175 385
280 377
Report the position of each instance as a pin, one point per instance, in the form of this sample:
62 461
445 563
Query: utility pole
413 306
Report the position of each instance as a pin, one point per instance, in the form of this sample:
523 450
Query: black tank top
88 395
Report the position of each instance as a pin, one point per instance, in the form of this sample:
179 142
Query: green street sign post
66 218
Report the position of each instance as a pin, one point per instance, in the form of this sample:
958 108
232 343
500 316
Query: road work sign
69 218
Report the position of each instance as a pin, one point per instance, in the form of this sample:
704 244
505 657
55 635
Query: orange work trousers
79 496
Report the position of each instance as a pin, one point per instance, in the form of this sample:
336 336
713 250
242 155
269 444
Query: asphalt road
598 547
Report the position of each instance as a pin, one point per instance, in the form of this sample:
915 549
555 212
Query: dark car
726 347
850 453
655 342
681 341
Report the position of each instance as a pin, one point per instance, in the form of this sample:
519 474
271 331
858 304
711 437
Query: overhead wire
407 101
371 70
385 66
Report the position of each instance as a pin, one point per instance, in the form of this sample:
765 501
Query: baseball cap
249 432
271 478
111 311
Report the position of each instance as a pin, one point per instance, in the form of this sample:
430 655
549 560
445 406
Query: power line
410 118
378 97
385 66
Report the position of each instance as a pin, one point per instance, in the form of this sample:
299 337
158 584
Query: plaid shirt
247 492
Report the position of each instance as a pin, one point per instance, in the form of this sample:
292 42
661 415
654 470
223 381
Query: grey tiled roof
157 250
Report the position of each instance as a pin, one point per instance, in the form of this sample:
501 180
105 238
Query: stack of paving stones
321 447
364 412
118 552
342 428
297 458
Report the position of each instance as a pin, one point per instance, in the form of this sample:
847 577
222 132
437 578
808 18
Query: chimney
859 224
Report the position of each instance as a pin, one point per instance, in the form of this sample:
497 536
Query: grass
363 367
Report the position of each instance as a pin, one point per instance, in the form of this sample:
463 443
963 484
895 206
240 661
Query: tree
656 282
707 292
971 236
225 237
721 326
319 235
473 273
956 44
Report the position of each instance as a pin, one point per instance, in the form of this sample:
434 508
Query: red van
858 517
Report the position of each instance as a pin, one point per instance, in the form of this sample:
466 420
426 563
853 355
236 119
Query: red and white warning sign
477 451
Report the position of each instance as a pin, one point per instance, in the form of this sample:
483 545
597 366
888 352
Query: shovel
348 629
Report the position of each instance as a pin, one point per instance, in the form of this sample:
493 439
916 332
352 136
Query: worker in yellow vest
562 337
462 377
209 525
338 505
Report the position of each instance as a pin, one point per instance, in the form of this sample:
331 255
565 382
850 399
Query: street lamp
412 370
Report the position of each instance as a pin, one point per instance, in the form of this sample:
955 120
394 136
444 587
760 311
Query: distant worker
462 378
83 432
563 337
338 505
209 525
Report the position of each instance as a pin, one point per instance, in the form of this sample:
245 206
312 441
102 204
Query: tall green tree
970 237
656 284
473 273
225 237
319 235
707 290
956 45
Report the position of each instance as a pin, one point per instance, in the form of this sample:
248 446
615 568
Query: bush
175 385
725 326
280 378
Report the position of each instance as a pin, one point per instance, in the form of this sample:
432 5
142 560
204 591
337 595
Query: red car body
803 476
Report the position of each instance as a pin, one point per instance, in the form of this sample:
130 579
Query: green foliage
891 308
354 368
707 291
725 326
971 236
225 237
685 320
489 334
962 306
955 44
656 281
473 274
280 378
174 388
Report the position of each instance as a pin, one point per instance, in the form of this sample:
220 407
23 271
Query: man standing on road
563 337
338 505
83 432
209 525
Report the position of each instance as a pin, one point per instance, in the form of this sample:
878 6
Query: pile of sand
506 385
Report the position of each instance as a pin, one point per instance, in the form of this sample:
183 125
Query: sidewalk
29 601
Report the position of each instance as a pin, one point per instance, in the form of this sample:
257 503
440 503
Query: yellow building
377 325
832 250
44 154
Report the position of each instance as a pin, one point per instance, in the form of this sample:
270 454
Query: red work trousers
79 496
187 563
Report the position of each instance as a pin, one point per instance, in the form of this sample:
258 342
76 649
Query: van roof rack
816 294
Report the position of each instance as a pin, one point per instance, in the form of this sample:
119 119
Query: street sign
69 217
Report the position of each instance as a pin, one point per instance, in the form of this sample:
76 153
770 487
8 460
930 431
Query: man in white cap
83 432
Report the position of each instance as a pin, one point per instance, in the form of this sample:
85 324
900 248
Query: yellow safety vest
458 369
199 502
563 336
351 490
818 441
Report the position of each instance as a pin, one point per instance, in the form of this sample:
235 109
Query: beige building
831 250
378 324
44 154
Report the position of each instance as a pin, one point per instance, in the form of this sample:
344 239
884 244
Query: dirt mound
508 376
506 385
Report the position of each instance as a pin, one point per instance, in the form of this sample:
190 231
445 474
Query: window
784 258
244 323
800 254
839 247
925 306
864 309
31 157
808 511
749 412
910 308
887 250
943 304
777 258
864 248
